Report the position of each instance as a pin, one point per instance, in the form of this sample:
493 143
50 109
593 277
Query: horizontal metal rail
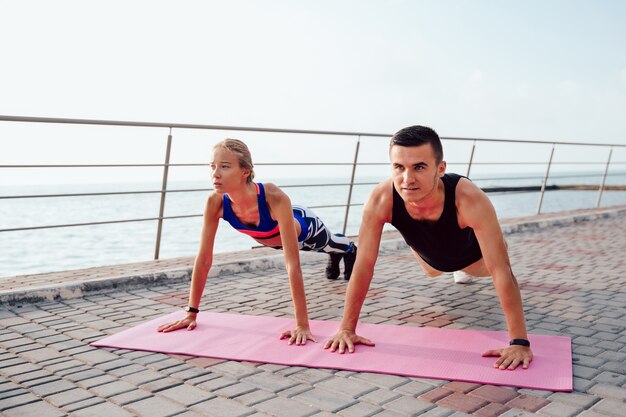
145 219
192 190
290 164
56 120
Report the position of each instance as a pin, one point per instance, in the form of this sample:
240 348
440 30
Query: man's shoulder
383 189
465 188
380 200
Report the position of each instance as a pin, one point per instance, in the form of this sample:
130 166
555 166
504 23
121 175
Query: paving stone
581 400
217 383
462 387
493 394
155 407
517 413
130 397
311 375
436 394
491 410
352 387
359 410
186 394
609 407
221 407
408 406
235 369
112 388
104 409
94 382
39 408
254 397
561 410
54 387
589 413
23 397
610 391
528 403
461 402
382 380
143 377
583 385
325 400
286 407
235 390
269 382
611 378
161 384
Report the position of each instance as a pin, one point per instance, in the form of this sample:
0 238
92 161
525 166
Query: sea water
64 248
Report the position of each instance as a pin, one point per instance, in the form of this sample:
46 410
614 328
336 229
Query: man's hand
299 336
346 338
189 322
511 357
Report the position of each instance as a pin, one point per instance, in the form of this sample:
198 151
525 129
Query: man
449 223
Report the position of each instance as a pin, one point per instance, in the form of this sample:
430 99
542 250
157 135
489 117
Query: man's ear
441 169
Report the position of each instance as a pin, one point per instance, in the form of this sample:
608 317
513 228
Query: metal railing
170 127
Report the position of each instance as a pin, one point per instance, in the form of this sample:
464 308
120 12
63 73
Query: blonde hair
241 150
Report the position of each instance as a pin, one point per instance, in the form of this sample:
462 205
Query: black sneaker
348 263
332 267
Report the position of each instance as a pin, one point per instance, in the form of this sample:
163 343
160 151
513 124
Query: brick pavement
572 277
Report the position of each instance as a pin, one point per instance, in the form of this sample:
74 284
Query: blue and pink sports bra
267 228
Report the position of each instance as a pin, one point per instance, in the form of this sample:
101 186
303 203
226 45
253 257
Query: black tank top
442 244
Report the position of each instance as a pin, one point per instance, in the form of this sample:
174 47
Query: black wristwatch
191 310
519 342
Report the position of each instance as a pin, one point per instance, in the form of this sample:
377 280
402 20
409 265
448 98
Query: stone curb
77 289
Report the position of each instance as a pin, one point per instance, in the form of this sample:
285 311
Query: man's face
415 171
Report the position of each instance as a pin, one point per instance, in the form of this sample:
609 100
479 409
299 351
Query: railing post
469 164
356 157
606 171
166 168
545 181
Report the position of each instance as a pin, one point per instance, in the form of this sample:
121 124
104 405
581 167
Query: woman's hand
346 339
299 335
189 322
511 357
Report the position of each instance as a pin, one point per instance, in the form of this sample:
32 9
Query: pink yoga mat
424 352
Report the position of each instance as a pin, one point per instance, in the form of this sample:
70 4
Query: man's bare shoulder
473 205
380 201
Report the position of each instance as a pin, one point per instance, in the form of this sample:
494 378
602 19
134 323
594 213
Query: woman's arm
281 210
201 265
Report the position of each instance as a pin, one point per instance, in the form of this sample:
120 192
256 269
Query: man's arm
476 211
376 212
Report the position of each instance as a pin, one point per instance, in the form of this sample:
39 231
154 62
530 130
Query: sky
538 70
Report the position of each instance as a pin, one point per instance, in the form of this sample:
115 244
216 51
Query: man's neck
430 207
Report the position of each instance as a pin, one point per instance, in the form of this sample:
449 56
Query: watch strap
519 342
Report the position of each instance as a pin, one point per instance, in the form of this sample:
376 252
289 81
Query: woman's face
226 172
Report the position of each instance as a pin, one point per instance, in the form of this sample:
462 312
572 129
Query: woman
263 212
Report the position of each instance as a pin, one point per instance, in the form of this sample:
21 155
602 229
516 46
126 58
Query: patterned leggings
318 237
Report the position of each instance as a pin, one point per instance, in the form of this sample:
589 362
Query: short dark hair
417 136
